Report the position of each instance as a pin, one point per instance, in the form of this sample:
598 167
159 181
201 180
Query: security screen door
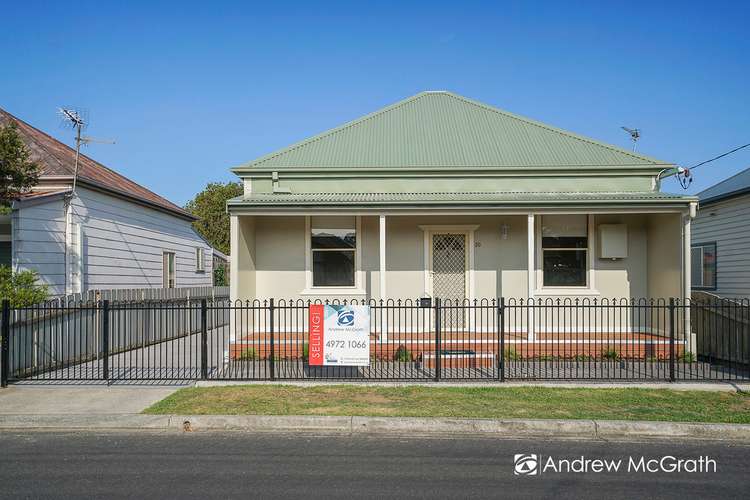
449 275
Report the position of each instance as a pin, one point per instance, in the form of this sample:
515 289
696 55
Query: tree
17 172
21 288
210 207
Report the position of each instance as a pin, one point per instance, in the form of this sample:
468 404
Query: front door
448 275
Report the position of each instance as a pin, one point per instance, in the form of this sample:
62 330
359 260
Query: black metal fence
423 339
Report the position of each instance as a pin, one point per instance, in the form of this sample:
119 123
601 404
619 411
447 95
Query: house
443 196
440 196
110 233
721 239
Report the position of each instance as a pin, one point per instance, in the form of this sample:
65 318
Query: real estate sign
339 335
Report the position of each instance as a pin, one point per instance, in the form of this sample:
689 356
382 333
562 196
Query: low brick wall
291 346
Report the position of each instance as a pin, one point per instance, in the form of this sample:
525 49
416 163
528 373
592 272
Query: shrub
220 276
512 355
305 351
611 354
21 288
687 357
582 357
248 354
402 354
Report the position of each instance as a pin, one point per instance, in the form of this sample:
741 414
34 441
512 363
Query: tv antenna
75 119
635 134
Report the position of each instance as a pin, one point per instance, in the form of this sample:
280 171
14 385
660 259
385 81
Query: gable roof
445 130
734 186
57 159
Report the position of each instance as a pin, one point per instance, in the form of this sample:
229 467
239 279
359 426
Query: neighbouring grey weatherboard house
721 239
439 195
112 233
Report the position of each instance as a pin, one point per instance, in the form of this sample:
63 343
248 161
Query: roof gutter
725 196
442 170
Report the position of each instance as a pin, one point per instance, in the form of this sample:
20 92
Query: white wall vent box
613 241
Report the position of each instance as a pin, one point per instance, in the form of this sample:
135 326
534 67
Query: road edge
384 426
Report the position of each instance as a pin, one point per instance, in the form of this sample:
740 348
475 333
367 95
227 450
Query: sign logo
525 464
345 318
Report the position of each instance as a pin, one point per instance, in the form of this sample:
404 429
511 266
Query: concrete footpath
80 399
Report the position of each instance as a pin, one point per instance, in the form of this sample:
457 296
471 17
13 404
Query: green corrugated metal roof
499 198
441 129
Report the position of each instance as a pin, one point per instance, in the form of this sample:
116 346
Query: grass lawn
469 402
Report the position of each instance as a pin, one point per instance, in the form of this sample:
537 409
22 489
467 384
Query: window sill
344 290
568 292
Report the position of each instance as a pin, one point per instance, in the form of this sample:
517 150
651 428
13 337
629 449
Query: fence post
437 339
271 328
105 339
204 340
4 345
671 339
501 320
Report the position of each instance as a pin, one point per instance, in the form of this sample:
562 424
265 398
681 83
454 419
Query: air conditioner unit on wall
613 241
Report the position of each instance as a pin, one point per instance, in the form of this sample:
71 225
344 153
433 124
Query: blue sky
190 89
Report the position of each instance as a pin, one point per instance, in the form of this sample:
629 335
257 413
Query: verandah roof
496 200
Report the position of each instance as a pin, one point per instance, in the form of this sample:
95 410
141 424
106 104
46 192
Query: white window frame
590 287
700 247
200 260
358 288
165 269
468 230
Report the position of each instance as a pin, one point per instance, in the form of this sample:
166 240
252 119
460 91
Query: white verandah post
531 276
234 255
687 283
381 277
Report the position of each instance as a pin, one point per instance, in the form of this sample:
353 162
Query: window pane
696 266
333 268
709 266
334 238
168 270
5 253
564 231
333 232
564 267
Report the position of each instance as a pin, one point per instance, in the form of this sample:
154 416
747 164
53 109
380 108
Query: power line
720 156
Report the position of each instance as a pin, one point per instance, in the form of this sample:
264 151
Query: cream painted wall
664 255
652 266
246 253
280 257
624 278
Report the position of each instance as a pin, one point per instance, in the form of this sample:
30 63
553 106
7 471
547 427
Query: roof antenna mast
75 120
635 134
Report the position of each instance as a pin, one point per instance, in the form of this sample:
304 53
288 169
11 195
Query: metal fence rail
428 340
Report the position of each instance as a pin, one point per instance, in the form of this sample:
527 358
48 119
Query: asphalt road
229 465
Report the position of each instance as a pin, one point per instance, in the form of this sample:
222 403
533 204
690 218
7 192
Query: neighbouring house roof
58 160
445 130
736 185
453 199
